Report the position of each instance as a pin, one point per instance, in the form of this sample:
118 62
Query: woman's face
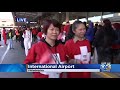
80 31
52 32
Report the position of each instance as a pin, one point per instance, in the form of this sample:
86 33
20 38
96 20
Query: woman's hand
36 63
85 61
74 61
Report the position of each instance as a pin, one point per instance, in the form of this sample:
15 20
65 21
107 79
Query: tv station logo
105 67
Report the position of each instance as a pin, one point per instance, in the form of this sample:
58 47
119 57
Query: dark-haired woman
48 51
78 49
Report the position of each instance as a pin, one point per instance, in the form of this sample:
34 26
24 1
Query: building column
101 17
62 17
56 16
67 16
87 15
14 18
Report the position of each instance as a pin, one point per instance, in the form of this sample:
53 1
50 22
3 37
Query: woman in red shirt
78 50
5 36
48 51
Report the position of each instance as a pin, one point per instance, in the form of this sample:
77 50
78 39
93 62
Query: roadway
17 56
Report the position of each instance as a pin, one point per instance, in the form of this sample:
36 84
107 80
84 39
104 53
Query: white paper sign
54 74
87 58
83 50
85 55
77 57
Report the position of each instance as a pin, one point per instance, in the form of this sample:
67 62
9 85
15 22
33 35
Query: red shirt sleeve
30 58
4 32
89 46
40 34
67 51
66 47
66 28
66 57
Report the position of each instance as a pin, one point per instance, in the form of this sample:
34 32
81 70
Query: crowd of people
25 36
75 43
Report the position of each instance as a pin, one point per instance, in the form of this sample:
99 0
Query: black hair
10 30
96 24
73 27
47 23
67 22
70 34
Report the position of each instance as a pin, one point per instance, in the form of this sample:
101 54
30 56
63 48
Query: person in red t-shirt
40 36
78 50
4 36
66 27
116 44
34 32
48 51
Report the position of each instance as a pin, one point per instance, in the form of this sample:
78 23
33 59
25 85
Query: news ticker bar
63 70
59 67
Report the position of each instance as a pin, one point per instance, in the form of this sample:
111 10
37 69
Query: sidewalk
13 56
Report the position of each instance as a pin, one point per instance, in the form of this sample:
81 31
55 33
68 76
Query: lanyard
54 56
